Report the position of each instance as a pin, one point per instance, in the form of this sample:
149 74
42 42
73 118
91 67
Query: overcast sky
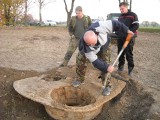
147 10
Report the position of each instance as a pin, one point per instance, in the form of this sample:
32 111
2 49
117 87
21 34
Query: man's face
79 14
123 9
91 40
92 44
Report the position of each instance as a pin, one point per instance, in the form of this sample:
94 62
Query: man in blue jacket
93 47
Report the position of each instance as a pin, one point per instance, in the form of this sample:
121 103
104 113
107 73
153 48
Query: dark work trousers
128 52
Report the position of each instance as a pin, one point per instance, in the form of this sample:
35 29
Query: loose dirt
28 52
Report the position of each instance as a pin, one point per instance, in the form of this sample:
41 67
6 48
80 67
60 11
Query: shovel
108 76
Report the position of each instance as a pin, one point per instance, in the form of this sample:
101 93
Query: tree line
12 11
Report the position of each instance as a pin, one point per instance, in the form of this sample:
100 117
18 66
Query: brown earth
27 52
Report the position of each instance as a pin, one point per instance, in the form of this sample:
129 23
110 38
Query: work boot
106 91
130 73
120 69
77 83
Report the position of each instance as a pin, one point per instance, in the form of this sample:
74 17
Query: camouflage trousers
81 63
73 44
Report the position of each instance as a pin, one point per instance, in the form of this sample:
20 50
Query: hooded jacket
102 29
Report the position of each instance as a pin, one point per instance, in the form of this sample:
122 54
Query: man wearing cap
77 26
93 46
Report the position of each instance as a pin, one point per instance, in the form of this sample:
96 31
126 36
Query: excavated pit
71 96
70 103
64 102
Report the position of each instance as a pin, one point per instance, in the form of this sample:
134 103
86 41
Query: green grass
149 29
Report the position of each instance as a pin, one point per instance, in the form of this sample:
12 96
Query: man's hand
130 32
110 69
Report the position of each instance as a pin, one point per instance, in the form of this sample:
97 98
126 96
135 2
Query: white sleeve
91 56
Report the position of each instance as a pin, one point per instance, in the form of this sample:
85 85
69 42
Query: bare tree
130 5
145 23
11 9
27 6
17 10
0 12
41 4
69 13
119 1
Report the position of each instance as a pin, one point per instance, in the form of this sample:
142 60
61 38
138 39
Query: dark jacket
102 29
130 19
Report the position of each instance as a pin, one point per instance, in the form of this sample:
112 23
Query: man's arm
119 27
89 21
70 27
97 63
135 24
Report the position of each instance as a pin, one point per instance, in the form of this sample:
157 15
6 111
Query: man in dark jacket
130 19
93 46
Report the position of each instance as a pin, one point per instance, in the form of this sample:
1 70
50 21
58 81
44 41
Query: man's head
79 12
90 38
123 6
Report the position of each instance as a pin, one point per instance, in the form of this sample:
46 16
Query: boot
120 68
106 91
130 72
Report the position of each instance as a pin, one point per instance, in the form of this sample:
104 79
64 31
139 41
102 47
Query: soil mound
133 103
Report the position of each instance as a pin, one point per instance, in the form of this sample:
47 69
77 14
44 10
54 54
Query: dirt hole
71 96
133 103
55 77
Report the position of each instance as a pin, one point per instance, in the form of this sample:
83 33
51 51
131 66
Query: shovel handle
108 76
128 39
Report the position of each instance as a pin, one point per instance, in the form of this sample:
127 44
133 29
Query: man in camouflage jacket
77 26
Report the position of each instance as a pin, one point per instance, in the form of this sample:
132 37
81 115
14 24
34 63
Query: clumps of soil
133 103
14 106
60 73
54 77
